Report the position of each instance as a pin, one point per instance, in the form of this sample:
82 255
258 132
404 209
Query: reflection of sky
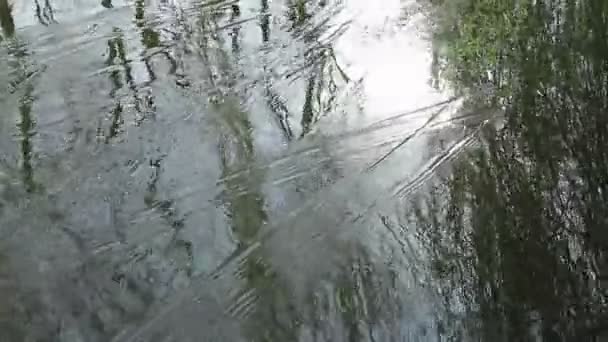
387 45
392 54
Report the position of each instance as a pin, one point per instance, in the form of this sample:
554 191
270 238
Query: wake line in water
427 170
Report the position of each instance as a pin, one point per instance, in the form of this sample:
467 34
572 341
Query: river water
176 170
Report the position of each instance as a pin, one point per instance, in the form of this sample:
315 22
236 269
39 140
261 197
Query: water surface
286 171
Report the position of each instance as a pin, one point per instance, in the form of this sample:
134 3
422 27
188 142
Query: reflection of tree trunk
26 129
236 12
44 14
39 14
27 124
265 21
307 111
116 122
48 12
263 299
116 56
6 18
150 39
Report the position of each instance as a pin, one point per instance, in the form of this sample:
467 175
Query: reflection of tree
319 63
44 14
264 299
274 100
363 298
23 74
265 304
149 38
236 13
117 59
116 56
26 128
17 306
297 13
265 21
169 213
6 18
519 229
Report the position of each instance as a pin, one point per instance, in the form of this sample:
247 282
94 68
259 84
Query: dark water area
290 170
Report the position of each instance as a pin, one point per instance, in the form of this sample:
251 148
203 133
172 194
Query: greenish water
289 170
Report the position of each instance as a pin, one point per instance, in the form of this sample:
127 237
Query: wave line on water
433 164
408 138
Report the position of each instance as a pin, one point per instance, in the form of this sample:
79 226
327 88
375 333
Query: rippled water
188 171
175 170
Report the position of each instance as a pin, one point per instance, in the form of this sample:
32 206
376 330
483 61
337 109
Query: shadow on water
517 232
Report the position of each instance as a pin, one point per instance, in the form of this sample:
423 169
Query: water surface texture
290 170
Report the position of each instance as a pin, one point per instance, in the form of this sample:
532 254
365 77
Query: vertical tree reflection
23 75
149 38
116 56
45 15
235 14
26 129
262 300
6 18
319 67
518 230
265 20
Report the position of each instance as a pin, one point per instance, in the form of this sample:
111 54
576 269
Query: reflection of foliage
297 13
519 229
477 37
